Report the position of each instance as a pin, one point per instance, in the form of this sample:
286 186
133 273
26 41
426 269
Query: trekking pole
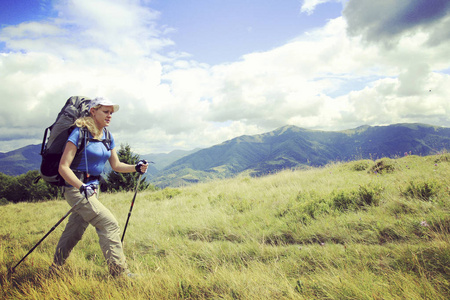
131 207
51 230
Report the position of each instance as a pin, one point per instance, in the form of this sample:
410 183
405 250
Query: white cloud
324 79
386 102
309 6
31 30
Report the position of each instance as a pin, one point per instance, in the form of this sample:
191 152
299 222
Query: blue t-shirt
97 154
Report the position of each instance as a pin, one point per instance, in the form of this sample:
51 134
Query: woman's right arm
64 165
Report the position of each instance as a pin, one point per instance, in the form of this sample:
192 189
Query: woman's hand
141 166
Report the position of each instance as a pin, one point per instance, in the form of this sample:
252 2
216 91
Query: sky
194 73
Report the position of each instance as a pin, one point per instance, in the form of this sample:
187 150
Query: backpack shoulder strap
107 140
83 138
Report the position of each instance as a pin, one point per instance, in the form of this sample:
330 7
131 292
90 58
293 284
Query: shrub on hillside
360 165
356 199
425 190
305 208
315 208
384 165
443 157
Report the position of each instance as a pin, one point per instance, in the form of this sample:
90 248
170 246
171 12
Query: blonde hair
89 123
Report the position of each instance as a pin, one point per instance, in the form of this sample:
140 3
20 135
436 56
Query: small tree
125 181
38 191
24 188
9 188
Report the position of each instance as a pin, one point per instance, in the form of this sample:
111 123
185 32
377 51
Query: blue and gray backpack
56 135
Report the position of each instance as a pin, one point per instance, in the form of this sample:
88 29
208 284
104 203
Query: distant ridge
293 147
21 160
28 158
283 148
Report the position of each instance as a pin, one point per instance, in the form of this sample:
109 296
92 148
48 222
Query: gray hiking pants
95 213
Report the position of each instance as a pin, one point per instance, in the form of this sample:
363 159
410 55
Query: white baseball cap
103 101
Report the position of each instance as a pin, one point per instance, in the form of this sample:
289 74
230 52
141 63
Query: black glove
88 190
138 166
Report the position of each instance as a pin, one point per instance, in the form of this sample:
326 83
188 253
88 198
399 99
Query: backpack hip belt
84 178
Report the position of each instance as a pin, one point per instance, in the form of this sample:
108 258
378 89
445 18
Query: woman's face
102 115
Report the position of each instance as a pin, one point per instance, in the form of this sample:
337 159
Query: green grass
357 230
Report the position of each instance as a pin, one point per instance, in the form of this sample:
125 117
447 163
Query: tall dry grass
357 230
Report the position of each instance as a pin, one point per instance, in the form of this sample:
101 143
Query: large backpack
58 133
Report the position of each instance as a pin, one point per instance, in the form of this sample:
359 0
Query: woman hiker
82 181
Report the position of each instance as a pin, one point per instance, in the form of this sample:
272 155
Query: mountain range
284 148
294 147
21 160
28 158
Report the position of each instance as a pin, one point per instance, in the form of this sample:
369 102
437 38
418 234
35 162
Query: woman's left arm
121 167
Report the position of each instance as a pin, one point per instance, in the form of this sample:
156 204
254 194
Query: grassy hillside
357 230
